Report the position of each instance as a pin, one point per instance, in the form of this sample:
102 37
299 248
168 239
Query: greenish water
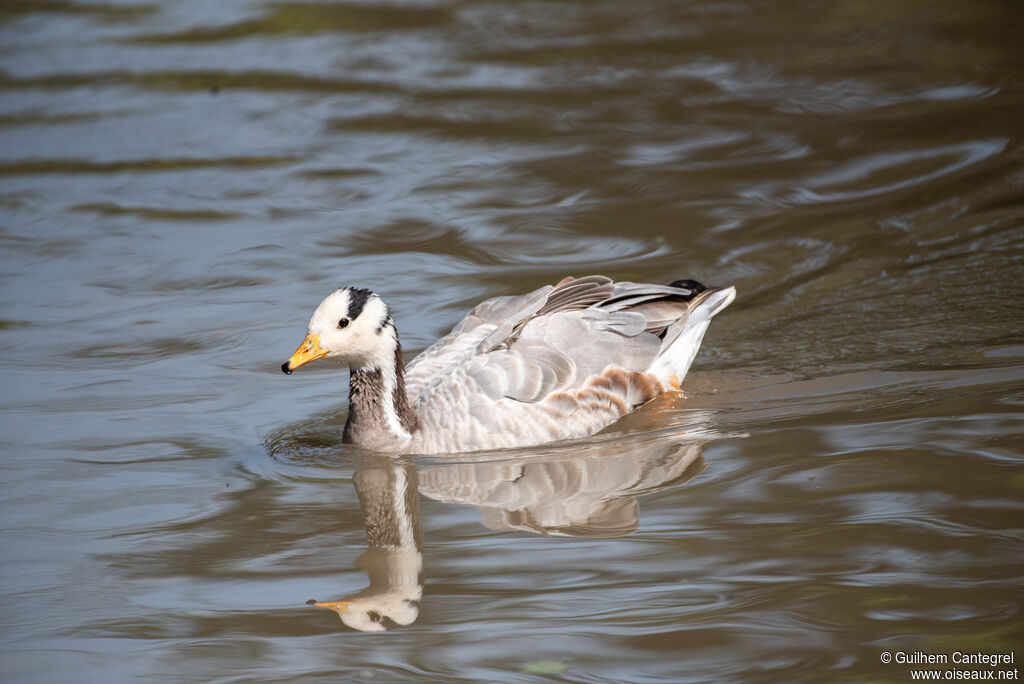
181 183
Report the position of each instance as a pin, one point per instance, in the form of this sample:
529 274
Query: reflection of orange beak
338 607
308 351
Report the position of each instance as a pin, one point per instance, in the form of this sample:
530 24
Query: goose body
561 362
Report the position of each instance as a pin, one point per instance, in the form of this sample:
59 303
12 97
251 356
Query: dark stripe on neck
357 298
379 496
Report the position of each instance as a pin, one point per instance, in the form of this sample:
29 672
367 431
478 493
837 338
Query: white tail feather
674 361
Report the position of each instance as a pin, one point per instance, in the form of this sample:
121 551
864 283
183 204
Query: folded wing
558 363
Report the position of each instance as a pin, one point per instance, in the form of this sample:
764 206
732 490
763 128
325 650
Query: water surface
181 183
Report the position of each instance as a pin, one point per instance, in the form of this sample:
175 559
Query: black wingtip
693 286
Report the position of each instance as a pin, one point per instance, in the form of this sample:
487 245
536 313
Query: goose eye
343 323
374 616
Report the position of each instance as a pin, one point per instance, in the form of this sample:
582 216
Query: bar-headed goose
561 362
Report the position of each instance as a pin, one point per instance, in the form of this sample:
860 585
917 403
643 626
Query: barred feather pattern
561 362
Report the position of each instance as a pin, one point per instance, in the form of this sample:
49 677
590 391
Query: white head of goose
561 362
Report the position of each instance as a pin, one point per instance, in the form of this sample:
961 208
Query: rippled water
181 183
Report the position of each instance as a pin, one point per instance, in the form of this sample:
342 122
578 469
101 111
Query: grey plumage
557 363
588 492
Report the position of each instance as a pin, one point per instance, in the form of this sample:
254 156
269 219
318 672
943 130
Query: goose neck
379 415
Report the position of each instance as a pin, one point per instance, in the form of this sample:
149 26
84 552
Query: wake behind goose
561 362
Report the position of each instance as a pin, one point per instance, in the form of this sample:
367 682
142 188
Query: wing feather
460 345
558 363
578 294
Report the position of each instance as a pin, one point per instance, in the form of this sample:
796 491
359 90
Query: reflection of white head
396 585
389 501
372 614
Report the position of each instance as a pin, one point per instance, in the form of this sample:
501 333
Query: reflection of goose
394 559
588 494
560 362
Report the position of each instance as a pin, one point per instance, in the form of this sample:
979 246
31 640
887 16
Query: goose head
352 325
374 613
392 599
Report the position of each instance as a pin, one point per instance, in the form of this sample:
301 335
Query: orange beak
309 350
338 607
